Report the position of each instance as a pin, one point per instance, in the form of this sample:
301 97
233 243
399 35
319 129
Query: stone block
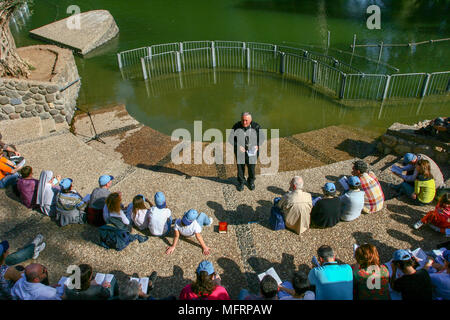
423 149
10 86
41 87
15 101
45 116
22 93
26 114
59 118
441 157
34 90
38 97
401 149
12 94
50 97
8 109
59 107
30 107
4 116
34 113
14 116
20 109
389 140
29 102
52 89
46 108
27 96
39 108
22 86
387 150
4 100
43 92
54 112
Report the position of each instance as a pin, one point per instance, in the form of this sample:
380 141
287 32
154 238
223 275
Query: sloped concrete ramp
82 32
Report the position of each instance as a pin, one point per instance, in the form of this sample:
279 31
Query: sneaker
240 187
38 249
251 186
418 224
210 221
39 238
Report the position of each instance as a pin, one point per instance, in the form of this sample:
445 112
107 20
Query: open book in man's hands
270 272
101 277
344 183
143 282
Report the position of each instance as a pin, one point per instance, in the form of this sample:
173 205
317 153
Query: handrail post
119 58
386 87
248 58
282 62
181 47
213 54
178 61
425 87
314 73
144 69
275 49
342 91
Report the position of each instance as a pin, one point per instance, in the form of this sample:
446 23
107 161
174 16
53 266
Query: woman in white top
113 208
46 194
159 217
138 212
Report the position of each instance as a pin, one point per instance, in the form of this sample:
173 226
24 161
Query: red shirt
219 293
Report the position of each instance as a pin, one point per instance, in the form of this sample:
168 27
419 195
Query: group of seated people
402 278
423 182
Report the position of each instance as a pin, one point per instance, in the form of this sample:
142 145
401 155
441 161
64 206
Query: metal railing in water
334 77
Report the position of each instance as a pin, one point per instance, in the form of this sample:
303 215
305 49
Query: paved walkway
250 247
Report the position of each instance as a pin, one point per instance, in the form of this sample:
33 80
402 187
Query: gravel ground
249 247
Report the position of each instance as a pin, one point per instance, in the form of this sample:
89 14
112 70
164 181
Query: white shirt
157 220
140 220
190 230
107 215
24 290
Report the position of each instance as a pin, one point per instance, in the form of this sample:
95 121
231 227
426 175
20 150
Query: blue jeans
203 219
9 180
287 285
243 294
406 188
20 255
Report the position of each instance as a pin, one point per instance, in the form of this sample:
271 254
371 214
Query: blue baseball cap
160 200
401 255
104 179
409 157
329 187
4 246
207 266
66 183
189 217
354 181
446 255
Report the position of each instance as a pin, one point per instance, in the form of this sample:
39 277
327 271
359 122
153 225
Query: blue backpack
276 219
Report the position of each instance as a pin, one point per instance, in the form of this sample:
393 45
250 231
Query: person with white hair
296 206
246 139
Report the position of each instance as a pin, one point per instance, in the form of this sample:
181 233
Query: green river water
274 102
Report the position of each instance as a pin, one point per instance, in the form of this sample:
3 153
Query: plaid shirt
373 194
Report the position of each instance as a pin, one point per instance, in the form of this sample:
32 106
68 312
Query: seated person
368 264
97 201
441 280
138 212
327 211
191 224
46 194
296 206
27 187
413 284
268 290
207 285
299 289
113 208
439 128
8 172
8 150
33 285
69 205
333 281
89 289
160 217
352 201
439 218
132 290
373 194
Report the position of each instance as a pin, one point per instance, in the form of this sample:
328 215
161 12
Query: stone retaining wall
400 139
22 98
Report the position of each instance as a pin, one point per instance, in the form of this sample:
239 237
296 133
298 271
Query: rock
12 94
34 90
62 112
22 93
30 107
14 116
34 113
38 97
401 149
41 87
45 116
16 101
4 100
10 86
52 89
59 118
43 92
39 108
59 107
29 102
53 111
4 117
387 150
22 86
46 108
20 109
380 147
441 157
389 140
27 96
423 149
26 114
8 109
50 98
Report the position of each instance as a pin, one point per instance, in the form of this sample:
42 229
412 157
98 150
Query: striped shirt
373 194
